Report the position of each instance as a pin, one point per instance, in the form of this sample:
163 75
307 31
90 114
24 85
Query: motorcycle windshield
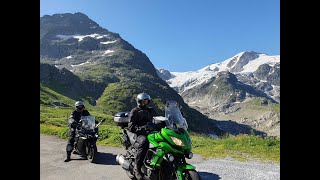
88 122
174 116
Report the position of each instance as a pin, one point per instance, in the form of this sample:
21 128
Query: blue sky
184 35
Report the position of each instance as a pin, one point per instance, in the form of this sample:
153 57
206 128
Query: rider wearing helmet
73 122
140 119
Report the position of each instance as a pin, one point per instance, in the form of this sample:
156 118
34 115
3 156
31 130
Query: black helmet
142 96
79 105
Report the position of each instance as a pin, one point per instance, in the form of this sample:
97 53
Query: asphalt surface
52 167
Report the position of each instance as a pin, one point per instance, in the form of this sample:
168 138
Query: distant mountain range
256 69
218 88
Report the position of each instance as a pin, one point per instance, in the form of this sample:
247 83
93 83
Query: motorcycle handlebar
100 122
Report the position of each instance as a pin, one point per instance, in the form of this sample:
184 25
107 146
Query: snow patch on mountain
107 52
223 66
109 42
190 79
81 37
87 62
263 59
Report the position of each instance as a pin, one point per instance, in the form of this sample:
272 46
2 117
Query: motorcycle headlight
190 155
177 141
170 157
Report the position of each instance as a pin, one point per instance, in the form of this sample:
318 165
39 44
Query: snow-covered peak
164 74
243 62
225 65
187 80
263 59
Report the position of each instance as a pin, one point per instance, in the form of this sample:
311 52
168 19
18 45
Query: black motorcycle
86 137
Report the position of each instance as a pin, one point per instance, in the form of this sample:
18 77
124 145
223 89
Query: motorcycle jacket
139 118
76 116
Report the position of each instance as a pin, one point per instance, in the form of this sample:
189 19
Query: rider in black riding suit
140 119
75 118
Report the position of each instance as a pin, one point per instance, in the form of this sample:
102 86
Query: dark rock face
262 71
222 90
264 86
232 62
274 77
266 78
69 24
244 59
164 74
268 73
216 69
57 35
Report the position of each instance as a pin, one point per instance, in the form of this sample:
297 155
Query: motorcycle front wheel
191 175
91 153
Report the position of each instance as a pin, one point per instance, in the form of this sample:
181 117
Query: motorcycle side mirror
100 122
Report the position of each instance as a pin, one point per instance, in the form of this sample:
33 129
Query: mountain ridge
101 68
228 90
245 65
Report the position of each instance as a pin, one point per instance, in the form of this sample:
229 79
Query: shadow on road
106 159
77 158
209 176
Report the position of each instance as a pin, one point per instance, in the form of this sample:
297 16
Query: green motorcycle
169 145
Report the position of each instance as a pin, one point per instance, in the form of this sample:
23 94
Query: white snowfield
87 62
108 42
187 80
263 59
107 52
190 79
80 37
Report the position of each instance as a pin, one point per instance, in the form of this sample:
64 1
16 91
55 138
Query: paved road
52 167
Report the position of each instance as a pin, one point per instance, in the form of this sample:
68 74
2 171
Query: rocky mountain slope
83 61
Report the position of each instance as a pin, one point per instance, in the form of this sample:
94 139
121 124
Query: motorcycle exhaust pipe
124 163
